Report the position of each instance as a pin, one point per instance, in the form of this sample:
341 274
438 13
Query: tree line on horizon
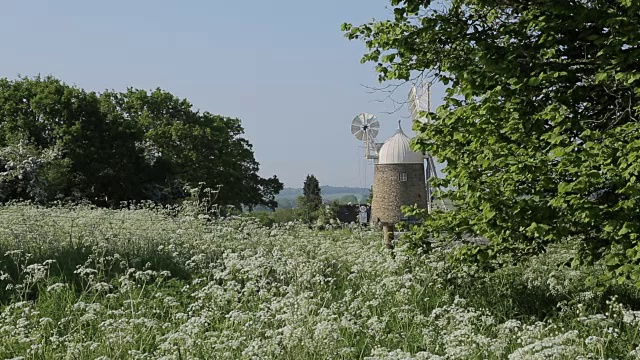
59 142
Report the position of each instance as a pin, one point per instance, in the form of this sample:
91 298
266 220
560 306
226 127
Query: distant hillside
287 196
326 190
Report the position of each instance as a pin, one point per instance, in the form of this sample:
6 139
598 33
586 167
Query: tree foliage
134 145
286 203
539 126
348 199
312 193
310 203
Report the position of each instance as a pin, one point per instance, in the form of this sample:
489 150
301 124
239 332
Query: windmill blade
420 101
370 119
358 132
414 107
357 126
359 120
374 128
365 128
424 100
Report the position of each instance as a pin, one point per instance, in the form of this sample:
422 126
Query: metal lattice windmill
365 128
419 104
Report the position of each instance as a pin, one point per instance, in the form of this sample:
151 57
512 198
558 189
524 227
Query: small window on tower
403 176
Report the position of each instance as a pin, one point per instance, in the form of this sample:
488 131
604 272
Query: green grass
82 283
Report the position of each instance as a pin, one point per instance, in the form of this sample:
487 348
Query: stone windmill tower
399 179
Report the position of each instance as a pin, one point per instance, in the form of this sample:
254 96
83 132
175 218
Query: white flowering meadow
80 283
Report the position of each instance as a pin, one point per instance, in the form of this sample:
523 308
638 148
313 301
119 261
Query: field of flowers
81 283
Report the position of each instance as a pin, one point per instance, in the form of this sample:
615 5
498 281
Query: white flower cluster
230 289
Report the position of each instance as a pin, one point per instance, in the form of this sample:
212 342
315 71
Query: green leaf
626 228
612 260
533 81
601 76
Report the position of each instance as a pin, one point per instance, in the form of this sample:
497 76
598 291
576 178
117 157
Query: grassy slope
86 283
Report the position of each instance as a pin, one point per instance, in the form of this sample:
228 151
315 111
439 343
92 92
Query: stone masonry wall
389 193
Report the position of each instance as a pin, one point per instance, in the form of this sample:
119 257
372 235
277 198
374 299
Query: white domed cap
396 150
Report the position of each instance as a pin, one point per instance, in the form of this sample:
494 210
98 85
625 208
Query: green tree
286 203
127 146
348 199
333 209
539 127
311 193
27 173
310 203
98 150
195 147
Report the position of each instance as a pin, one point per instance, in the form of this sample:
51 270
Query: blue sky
281 66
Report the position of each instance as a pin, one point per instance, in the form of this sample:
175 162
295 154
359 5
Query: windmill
420 103
365 127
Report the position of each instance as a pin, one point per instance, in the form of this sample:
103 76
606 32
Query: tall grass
82 283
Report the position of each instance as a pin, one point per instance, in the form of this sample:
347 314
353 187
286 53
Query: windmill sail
365 128
419 102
